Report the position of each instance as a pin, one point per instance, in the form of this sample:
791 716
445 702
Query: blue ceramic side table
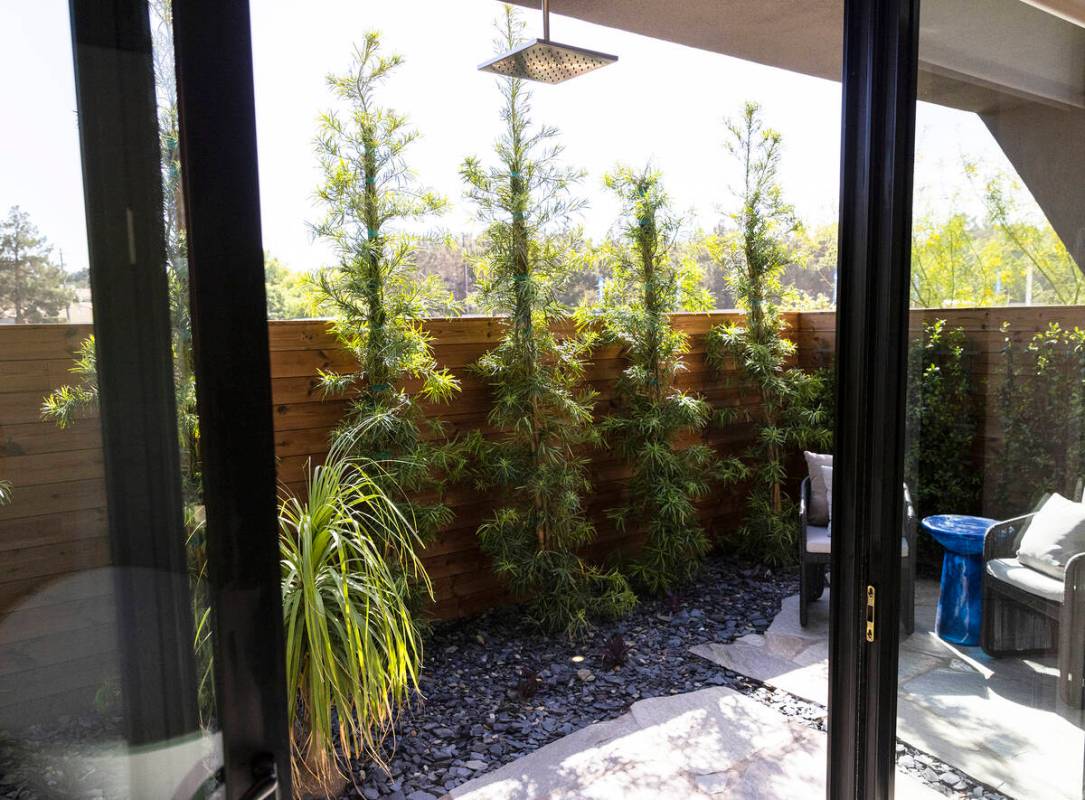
960 602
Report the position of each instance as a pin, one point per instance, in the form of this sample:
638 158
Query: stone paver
713 743
997 720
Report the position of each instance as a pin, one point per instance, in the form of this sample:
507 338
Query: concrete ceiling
1008 47
1019 64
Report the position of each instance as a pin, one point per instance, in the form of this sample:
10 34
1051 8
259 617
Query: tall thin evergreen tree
378 297
789 414
648 282
540 406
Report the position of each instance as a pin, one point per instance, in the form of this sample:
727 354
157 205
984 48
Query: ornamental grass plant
353 649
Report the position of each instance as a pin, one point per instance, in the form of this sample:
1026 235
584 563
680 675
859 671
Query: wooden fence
56 613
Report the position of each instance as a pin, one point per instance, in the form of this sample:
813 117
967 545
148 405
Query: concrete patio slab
713 743
997 720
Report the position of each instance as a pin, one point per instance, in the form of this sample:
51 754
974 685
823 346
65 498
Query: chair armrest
910 521
1003 538
804 500
1074 586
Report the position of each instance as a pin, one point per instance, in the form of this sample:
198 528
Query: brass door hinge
870 606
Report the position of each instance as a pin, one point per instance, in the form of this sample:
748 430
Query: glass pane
990 681
70 714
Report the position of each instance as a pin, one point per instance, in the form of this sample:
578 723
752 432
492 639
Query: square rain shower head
546 61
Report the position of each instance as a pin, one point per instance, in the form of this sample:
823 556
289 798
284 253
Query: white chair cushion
1055 534
818 512
827 479
1013 572
819 541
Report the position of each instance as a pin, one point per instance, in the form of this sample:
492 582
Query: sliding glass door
140 634
958 637
990 683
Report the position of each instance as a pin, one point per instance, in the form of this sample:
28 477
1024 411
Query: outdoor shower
547 61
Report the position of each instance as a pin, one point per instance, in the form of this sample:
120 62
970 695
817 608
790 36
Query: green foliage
646 283
352 646
1012 255
376 294
941 423
789 415
289 293
200 586
542 412
941 431
1033 249
1042 410
32 287
955 263
68 403
811 279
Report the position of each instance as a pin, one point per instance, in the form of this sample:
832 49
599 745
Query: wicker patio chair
815 553
1029 612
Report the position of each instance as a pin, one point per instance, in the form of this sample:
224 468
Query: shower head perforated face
546 61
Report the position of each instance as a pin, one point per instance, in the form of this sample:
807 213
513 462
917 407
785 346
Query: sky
661 103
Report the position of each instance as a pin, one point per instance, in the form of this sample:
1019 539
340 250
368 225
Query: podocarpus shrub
647 281
377 296
1042 414
540 408
788 416
941 431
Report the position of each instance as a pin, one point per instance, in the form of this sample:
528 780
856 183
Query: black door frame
217 120
121 156
878 137
122 186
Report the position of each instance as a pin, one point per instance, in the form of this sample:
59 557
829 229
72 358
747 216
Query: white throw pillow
818 512
1055 534
827 479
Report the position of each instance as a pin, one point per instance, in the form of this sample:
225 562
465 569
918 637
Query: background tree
955 263
378 297
289 293
1034 249
539 406
32 287
789 415
647 282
